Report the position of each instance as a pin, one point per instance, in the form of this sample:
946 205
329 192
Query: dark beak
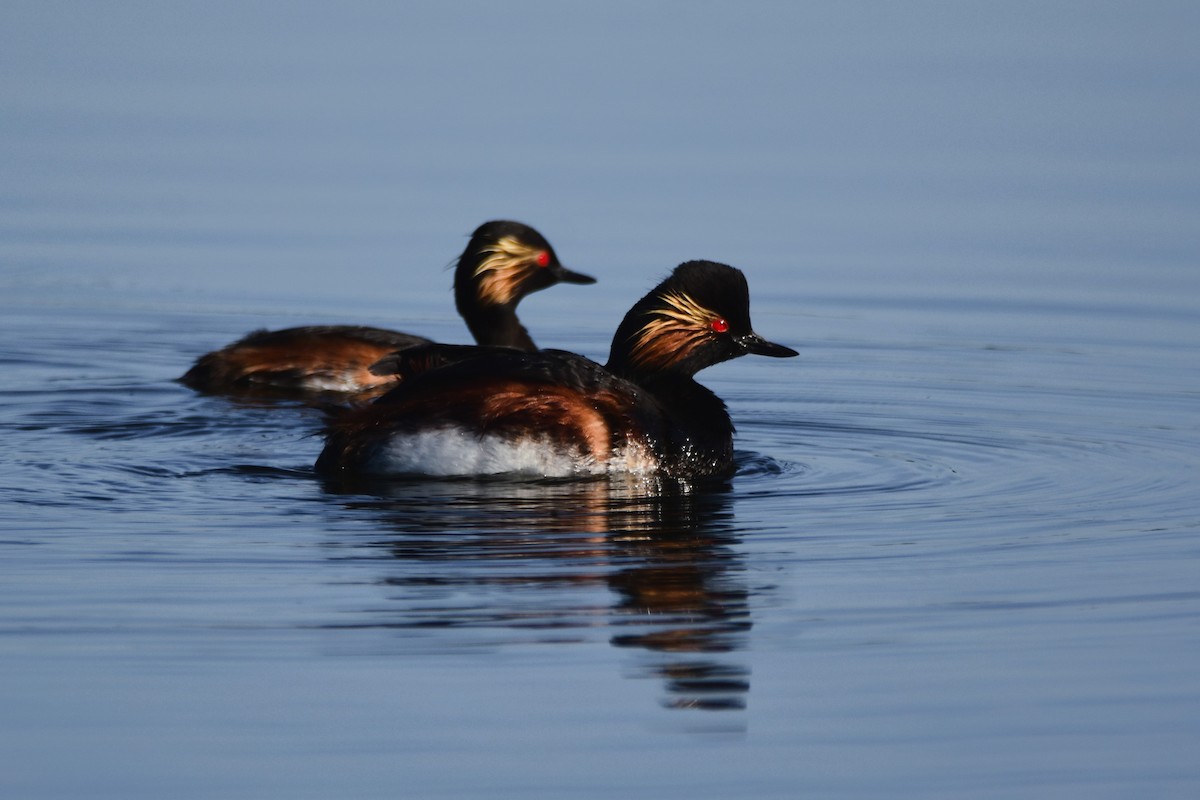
567 276
753 343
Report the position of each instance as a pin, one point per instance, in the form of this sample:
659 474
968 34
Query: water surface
959 556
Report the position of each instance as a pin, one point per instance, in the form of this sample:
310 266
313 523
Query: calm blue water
961 556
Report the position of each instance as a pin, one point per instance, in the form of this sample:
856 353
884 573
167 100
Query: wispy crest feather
501 271
674 329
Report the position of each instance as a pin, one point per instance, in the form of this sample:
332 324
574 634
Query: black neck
698 440
499 326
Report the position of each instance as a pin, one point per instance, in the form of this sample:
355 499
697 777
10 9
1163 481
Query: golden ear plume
674 329
500 273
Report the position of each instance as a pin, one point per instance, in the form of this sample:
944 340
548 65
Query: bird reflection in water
667 551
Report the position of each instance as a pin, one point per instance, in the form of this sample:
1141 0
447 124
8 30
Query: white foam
314 383
453 451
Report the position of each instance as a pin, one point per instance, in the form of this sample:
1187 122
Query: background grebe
503 262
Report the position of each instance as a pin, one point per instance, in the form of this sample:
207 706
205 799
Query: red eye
719 325
543 258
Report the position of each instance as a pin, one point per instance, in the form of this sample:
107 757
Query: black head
503 262
697 317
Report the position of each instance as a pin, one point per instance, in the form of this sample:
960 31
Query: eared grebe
472 411
503 262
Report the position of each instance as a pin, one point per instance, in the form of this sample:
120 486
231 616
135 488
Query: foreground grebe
503 262
471 411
